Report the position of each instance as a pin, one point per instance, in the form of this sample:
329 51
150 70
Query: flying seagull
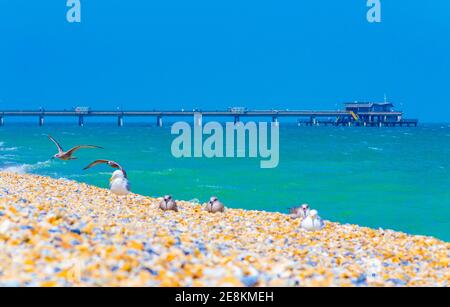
118 183
68 155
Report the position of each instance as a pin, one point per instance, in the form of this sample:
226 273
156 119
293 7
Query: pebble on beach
63 233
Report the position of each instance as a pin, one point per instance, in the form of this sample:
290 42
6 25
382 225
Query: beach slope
64 233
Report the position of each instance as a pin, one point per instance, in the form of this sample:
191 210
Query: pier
354 114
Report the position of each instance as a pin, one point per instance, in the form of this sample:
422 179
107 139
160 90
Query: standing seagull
118 183
312 222
301 211
167 203
67 155
214 205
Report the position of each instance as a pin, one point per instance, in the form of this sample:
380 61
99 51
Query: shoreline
58 232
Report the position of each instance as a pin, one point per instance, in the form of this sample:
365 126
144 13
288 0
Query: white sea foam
2 148
7 156
209 186
9 149
376 148
18 169
26 168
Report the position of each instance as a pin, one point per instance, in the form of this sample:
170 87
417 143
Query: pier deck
306 117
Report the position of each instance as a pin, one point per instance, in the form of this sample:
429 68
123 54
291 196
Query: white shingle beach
64 233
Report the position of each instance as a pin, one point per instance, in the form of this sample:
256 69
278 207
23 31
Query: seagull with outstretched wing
68 155
118 183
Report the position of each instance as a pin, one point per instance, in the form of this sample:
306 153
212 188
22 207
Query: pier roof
367 104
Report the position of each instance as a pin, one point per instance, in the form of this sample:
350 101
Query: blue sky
175 54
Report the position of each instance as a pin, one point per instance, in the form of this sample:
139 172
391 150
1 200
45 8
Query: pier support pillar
275 121
159 122
1 121
198 121
120 121
41 121
81 121
236 119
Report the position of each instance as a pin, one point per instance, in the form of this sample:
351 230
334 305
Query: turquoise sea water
397 178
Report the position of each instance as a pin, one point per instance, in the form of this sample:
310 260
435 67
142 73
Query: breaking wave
26 168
